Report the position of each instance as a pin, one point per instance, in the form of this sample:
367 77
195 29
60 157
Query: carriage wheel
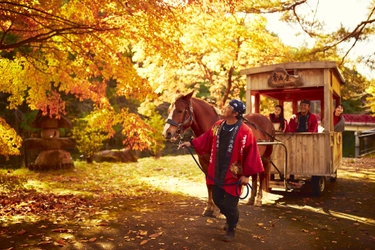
318 185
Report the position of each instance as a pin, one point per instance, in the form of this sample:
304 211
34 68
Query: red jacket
245 155
312 123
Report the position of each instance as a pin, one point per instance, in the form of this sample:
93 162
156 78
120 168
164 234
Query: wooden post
356 139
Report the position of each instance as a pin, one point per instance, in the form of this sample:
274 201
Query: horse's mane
216 109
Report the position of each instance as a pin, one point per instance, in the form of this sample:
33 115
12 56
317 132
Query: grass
90 190
102 178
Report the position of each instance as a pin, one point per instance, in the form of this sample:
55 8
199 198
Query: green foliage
89 138
354 91
156 123
28 118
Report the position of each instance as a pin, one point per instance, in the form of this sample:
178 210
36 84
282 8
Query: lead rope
237 183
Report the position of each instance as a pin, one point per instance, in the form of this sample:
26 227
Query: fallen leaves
141 234
62 230
258 237
155 235
89 240
31 203
22 231
60 242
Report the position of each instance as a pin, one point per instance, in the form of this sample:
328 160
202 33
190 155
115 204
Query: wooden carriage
299 158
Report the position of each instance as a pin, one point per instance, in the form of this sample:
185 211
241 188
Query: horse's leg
254 188
263 182
259 197
209 209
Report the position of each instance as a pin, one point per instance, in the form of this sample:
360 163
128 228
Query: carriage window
288 110
315 108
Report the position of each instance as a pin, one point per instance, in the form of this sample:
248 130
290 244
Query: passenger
303 121
338 119
277 117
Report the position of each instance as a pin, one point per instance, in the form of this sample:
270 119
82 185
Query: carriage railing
366 144
265 143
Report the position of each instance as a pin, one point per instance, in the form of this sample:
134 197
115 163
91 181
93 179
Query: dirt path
344 218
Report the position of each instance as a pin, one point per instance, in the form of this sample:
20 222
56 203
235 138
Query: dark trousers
228 205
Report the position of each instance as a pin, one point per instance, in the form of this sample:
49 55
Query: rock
125 155
52 159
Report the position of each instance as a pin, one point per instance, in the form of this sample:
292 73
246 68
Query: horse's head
180 118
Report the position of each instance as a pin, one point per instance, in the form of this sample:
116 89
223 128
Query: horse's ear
188 96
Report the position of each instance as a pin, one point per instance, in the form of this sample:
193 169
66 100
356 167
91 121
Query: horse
187 111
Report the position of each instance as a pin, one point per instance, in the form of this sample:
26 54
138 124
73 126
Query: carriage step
277 183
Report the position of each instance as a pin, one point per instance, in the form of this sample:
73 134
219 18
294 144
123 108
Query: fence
365 143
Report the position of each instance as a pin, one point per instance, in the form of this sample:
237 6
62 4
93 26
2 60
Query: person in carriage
277 117
338 119
303 121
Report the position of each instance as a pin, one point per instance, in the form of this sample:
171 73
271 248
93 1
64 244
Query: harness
184 122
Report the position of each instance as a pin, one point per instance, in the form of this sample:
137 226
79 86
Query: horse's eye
179 111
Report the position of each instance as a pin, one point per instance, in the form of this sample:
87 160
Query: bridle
179 126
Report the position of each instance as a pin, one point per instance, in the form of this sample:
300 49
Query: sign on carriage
280 78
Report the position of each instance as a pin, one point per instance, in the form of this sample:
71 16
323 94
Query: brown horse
188 111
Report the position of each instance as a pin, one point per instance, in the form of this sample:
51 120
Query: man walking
234 156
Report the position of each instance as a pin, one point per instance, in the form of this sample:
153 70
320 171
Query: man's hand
244 180
184 144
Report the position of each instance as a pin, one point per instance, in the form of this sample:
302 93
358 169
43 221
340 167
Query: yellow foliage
371 90
212 46
91 131
10 142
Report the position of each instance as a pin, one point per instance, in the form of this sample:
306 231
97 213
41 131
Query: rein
259 128
237 183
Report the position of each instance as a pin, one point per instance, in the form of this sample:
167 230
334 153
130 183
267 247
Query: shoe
229 236
225 227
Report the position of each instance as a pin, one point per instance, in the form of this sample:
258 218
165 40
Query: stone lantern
53 154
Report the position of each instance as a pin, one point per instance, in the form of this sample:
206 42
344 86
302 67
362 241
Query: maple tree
9 140
214 43
50 48
150 49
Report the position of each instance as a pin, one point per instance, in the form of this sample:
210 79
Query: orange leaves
91 131
53 105
138 133
141 234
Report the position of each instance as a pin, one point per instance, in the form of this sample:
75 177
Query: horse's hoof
258 203
208 213
250 202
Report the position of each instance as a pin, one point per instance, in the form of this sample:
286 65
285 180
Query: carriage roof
295 67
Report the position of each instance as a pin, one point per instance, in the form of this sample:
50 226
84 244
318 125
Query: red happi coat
312 123
245 155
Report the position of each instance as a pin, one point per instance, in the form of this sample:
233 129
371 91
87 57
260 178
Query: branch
39 17
355 33
265 9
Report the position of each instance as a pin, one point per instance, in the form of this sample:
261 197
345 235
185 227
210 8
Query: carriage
303 157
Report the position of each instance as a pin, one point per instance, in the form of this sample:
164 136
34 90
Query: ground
343 218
